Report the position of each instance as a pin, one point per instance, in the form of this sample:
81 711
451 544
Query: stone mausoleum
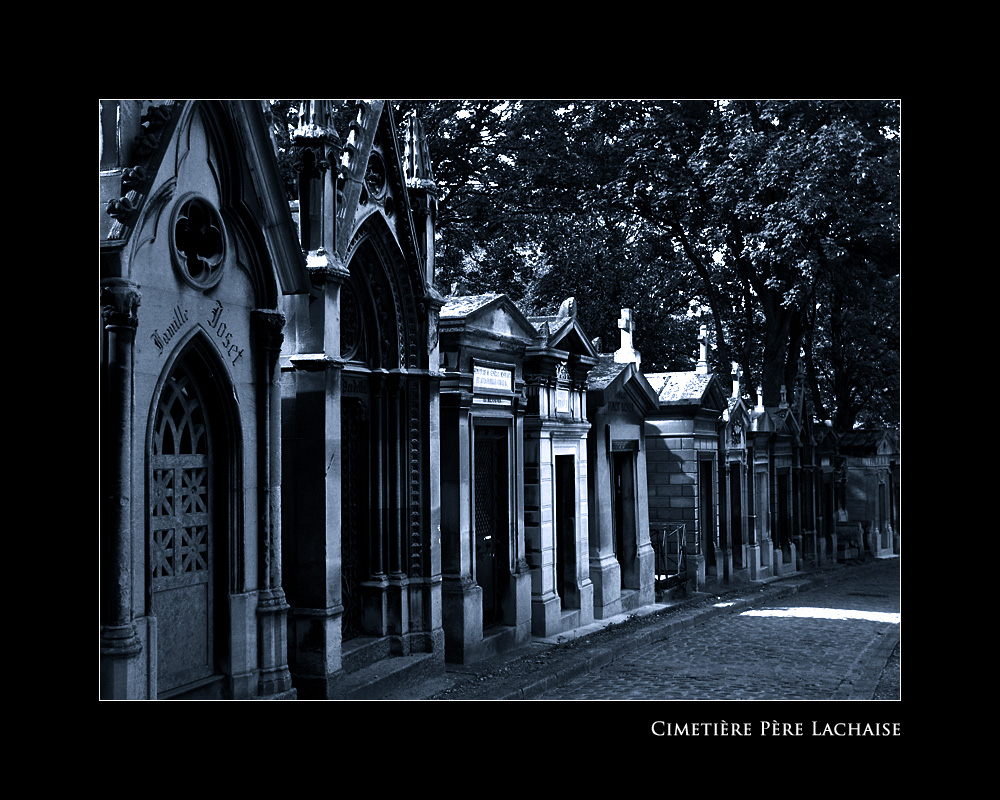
359 390
269 402
198 250
619 399
486 592
556 514
683 435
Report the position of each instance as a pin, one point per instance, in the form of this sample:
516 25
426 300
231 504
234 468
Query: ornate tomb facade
486 579
556 522
734 482
360 402
197 250
619 398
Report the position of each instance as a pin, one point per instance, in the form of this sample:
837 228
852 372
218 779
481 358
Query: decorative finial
417 158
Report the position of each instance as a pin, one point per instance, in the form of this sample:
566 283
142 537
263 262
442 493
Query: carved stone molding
120 300
268 325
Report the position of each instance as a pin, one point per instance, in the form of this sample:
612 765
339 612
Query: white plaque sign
488 379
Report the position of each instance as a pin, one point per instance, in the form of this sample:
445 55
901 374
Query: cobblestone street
837 641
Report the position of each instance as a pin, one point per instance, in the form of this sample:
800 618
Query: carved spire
417 166
316 121
317 147
419 176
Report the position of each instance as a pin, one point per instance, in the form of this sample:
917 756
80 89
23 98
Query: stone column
521 577
397 622
120 643
272 608
461 596
314 443
605 571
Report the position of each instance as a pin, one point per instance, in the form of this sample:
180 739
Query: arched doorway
380 441
188 563
356 439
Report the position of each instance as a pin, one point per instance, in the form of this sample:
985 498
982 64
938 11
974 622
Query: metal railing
671 563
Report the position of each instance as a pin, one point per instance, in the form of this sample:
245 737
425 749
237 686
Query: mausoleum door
784 537
491 498
736 515
624 502
706 523
181 535
565 512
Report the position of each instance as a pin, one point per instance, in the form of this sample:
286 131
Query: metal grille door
180 536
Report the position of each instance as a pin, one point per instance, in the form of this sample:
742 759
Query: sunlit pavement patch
824 613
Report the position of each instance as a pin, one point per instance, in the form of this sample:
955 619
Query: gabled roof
485 311
605 373
609 378
785 421
868 441
737 408
465 306
687 389
562 331
563 334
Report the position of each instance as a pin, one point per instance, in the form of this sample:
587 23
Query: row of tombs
316 468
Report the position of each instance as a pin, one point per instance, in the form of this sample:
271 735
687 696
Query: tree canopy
774 223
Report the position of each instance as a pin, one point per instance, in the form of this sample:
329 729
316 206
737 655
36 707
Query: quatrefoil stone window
199 242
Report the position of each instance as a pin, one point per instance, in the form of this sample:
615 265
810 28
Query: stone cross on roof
627 353
702 350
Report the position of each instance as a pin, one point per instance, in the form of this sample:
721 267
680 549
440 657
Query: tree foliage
774 223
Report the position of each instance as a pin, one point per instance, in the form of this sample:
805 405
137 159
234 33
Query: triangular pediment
571 338
609 379
494 314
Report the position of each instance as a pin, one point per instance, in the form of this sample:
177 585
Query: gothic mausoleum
198 249
359 394
269 402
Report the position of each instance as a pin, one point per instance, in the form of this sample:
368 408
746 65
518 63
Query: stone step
389 678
